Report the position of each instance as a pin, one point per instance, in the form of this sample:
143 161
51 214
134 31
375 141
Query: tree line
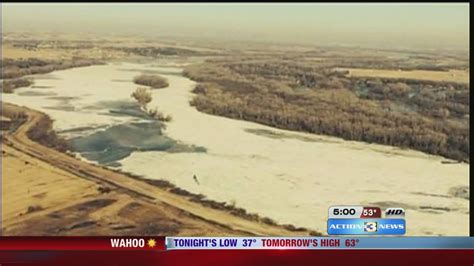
12 71
320 100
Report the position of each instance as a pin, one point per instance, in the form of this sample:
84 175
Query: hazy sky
425 25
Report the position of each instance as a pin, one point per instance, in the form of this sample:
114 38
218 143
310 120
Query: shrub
143 96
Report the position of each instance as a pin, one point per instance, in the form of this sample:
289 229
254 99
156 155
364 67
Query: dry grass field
458 76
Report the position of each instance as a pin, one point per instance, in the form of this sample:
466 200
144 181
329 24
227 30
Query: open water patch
118 142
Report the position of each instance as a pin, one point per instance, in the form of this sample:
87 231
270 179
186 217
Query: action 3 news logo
366 227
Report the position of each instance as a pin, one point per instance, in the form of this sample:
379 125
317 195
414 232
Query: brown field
44 200
9 51
458 76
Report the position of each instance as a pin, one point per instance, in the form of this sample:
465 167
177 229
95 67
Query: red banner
82 243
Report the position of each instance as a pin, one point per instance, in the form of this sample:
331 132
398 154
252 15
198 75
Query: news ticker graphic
158 243
360 220
185 243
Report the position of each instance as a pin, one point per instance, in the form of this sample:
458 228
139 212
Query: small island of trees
153 81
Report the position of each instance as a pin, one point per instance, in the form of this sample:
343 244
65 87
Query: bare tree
143 97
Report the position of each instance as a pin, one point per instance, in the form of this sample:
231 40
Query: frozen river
288 176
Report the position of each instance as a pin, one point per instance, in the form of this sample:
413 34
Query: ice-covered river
288 176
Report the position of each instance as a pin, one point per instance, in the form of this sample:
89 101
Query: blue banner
366 226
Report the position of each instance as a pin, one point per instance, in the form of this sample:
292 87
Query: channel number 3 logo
370 227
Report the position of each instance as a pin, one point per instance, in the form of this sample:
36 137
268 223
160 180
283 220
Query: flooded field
288 176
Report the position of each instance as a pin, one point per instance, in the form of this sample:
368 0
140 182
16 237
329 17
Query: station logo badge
370 227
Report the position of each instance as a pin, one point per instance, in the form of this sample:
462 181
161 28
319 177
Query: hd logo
370 227
395 213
